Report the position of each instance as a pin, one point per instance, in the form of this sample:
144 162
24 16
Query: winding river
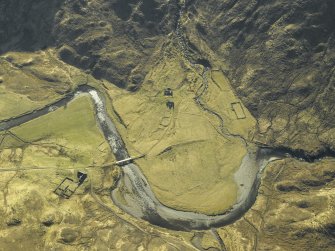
133 193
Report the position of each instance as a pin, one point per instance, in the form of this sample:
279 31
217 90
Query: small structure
168 92
124 162
68 186
170 104
81 177
238 110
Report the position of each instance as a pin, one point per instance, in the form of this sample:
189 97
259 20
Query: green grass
72 129
33 80
12 104
188 164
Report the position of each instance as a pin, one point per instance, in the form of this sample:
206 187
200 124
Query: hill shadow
26 25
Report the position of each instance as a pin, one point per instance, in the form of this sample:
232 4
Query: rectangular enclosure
238 110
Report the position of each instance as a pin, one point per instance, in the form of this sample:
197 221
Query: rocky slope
114 40
27 25
279 56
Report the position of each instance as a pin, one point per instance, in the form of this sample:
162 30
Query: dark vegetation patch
123 9
14 222
303 204
201 29
48 223
329 230
288 187
27 25
150 10
313 182
203 62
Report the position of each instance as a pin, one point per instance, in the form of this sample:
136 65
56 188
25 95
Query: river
133 193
